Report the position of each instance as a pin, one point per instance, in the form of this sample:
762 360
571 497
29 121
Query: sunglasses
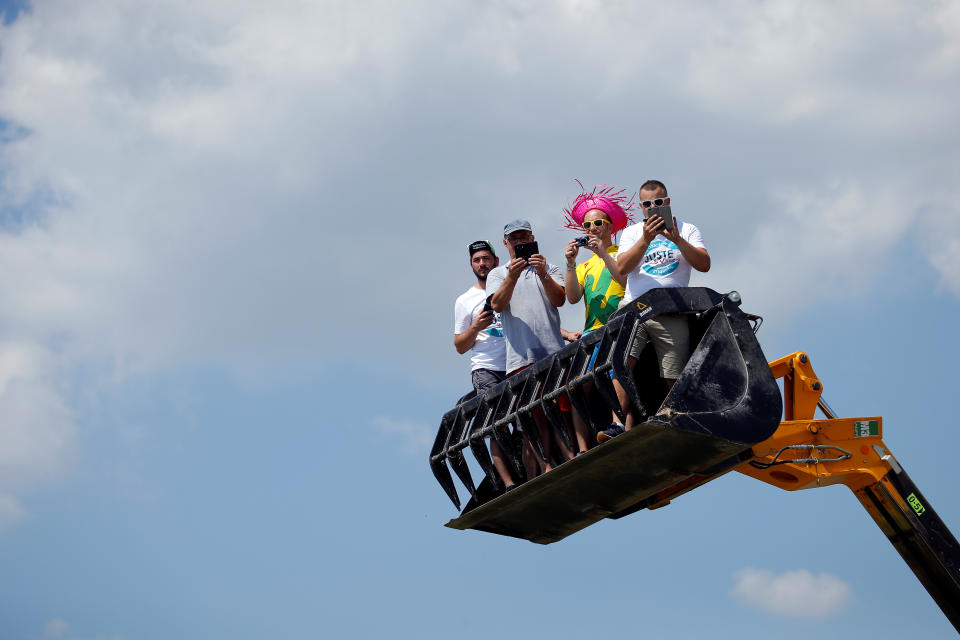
595 223
656 202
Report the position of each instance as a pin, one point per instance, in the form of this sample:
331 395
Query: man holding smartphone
660 252
476 327
527 293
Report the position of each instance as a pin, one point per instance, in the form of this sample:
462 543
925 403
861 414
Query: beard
482 277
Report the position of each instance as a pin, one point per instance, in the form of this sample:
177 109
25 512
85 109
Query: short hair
651 185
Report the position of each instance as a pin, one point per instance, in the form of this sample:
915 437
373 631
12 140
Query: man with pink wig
600 214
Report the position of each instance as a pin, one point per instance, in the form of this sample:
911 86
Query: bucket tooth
506 396
528 427
603 366
554 386
527 403
554 416
621 367
459 464
438 457
581 375
478 430
478 446
458 434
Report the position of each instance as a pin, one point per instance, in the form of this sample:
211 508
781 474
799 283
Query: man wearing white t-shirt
476 327
653 256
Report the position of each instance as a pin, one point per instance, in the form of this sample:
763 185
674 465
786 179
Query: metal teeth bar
508 408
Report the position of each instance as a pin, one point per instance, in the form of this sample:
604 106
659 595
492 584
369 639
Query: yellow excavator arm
806 453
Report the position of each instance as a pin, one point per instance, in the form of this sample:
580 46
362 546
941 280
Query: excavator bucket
725 401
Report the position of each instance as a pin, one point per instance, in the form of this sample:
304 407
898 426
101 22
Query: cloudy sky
231 234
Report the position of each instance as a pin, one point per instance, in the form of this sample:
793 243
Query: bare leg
531 461
546 438
500 463
625 405
581 430
565 451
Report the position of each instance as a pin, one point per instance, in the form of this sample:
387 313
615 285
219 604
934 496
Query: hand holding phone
665 213
526 249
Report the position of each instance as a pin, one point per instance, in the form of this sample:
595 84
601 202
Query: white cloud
792 593
939 237
199 158
228 184
416 436
10 510
57 629
818 241
851 65
37 431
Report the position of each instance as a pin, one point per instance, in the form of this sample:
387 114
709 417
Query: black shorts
483 379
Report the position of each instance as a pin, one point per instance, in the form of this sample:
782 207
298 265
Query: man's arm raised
463 342
501 297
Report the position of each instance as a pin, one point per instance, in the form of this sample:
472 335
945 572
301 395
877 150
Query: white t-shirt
490 350
662 265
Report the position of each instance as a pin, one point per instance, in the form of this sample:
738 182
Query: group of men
509 319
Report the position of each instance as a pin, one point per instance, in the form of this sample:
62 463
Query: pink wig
613 203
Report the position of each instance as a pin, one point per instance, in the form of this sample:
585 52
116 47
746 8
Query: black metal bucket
725 401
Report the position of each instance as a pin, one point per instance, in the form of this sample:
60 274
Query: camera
582 240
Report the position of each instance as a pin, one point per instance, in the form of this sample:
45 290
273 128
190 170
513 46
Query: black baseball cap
481 245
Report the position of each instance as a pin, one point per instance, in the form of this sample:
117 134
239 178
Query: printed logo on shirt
495 329
661 259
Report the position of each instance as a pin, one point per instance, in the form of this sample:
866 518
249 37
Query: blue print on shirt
661 259
495 329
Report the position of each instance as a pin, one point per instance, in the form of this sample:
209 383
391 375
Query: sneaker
612 431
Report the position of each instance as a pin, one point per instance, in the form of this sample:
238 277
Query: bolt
803 358
816 386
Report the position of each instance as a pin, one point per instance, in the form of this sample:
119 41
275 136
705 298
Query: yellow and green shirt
601 293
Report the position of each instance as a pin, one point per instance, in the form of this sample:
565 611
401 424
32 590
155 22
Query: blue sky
230 241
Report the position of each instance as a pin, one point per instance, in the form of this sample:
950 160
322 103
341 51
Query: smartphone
664 212
486 304
526 249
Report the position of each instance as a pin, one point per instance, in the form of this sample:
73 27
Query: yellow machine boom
805 453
